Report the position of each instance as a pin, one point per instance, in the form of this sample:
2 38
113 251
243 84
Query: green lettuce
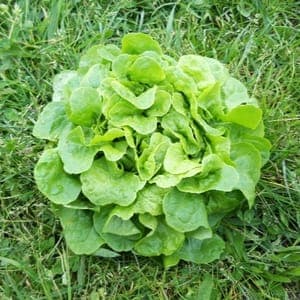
147 154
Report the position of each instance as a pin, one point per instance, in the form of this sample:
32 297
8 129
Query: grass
257 40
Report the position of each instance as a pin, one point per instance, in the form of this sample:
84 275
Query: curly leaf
184 211
53 181
104 183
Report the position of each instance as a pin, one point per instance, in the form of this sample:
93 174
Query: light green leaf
201 251
184 211
125 114
76 155
220 145
215 175
118 226
98 54
137 43
247 162
115 150
63 83
84 106
103 252
149 200
115 241
152 157
104 183
197 67
91 57
181 81
178 126
143 101
200 233
82 203
52 181
245 115
177 162
261 144
166 180
179 104
121 64
123 91
162 240
108 136
146 70
52 122
220 202
79 230
94 76
148 221
199 119
234 93
109 52
217 69
210 100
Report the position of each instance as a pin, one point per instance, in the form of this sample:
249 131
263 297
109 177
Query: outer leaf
118 226
104 183
82 203
148 221
247 161
202 252
52 181
76 155
220 202
245 115
63 83
84 106
109 52
94 76
261 144
184 212
79 231
163 240
137 43
234 93
103 252
200 233
52 122
98 54
198 251
115 241
197 67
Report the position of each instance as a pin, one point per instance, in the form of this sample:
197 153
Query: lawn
258 42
